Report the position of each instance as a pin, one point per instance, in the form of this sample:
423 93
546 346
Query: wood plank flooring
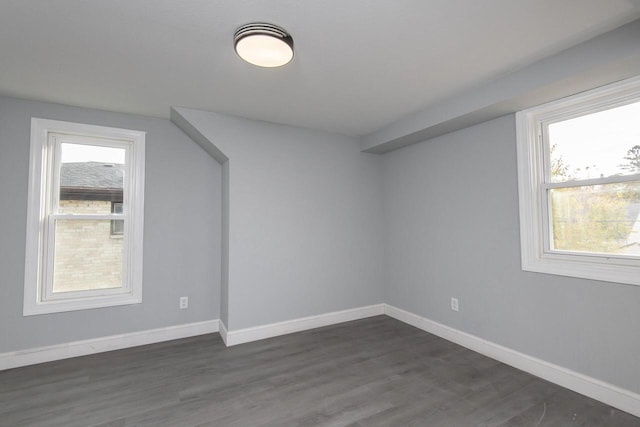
371 372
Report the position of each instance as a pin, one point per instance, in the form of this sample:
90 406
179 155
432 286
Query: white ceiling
359 64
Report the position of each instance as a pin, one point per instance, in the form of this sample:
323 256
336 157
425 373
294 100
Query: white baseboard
256 333
223 332
98 345
617 397
610 394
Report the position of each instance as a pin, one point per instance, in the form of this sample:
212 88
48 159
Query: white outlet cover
184 302
454 304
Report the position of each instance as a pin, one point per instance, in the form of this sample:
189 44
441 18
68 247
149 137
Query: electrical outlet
184 302
454 304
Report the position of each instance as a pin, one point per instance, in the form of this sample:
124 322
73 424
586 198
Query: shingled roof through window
91 175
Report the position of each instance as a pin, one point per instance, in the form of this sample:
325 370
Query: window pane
91 177
117 225
86 256
597 218
597 145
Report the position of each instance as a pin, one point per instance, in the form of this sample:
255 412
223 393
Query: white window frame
534 182
42 213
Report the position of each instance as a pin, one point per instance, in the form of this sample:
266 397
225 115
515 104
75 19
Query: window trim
531 158
37 213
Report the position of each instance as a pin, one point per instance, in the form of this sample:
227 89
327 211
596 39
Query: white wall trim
223 332
98 345
532 152
256 333
610 394
47 137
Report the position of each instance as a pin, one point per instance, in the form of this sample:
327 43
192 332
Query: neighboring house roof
91 175
91 181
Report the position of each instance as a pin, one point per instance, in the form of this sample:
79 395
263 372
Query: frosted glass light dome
264 45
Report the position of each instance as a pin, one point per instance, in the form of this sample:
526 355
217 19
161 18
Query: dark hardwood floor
372 372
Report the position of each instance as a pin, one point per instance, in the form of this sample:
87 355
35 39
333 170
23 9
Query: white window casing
533 185
42 214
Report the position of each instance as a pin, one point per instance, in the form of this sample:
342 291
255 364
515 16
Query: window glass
601 218
117 225
88 174
85 256
598 145
597 218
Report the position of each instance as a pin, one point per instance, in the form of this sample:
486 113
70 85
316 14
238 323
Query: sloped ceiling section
604 59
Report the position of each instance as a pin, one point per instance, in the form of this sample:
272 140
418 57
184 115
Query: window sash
543 146
104 216
50 242
589 182
54 143
54 157
547 222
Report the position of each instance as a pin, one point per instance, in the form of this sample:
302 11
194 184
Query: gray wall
451 212
315 226
305 219
182 238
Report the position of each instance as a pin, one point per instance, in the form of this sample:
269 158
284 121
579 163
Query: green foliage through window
597 218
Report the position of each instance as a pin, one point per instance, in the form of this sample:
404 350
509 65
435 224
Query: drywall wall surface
305 219
224 283
182 237
452 230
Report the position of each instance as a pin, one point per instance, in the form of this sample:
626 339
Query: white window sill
626 274
58 306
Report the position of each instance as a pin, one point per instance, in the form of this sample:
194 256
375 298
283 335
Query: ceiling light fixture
264 45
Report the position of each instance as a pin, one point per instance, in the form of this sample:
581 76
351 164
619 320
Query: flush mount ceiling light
264 45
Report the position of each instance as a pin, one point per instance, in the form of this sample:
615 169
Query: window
86 186
579 184
117 225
